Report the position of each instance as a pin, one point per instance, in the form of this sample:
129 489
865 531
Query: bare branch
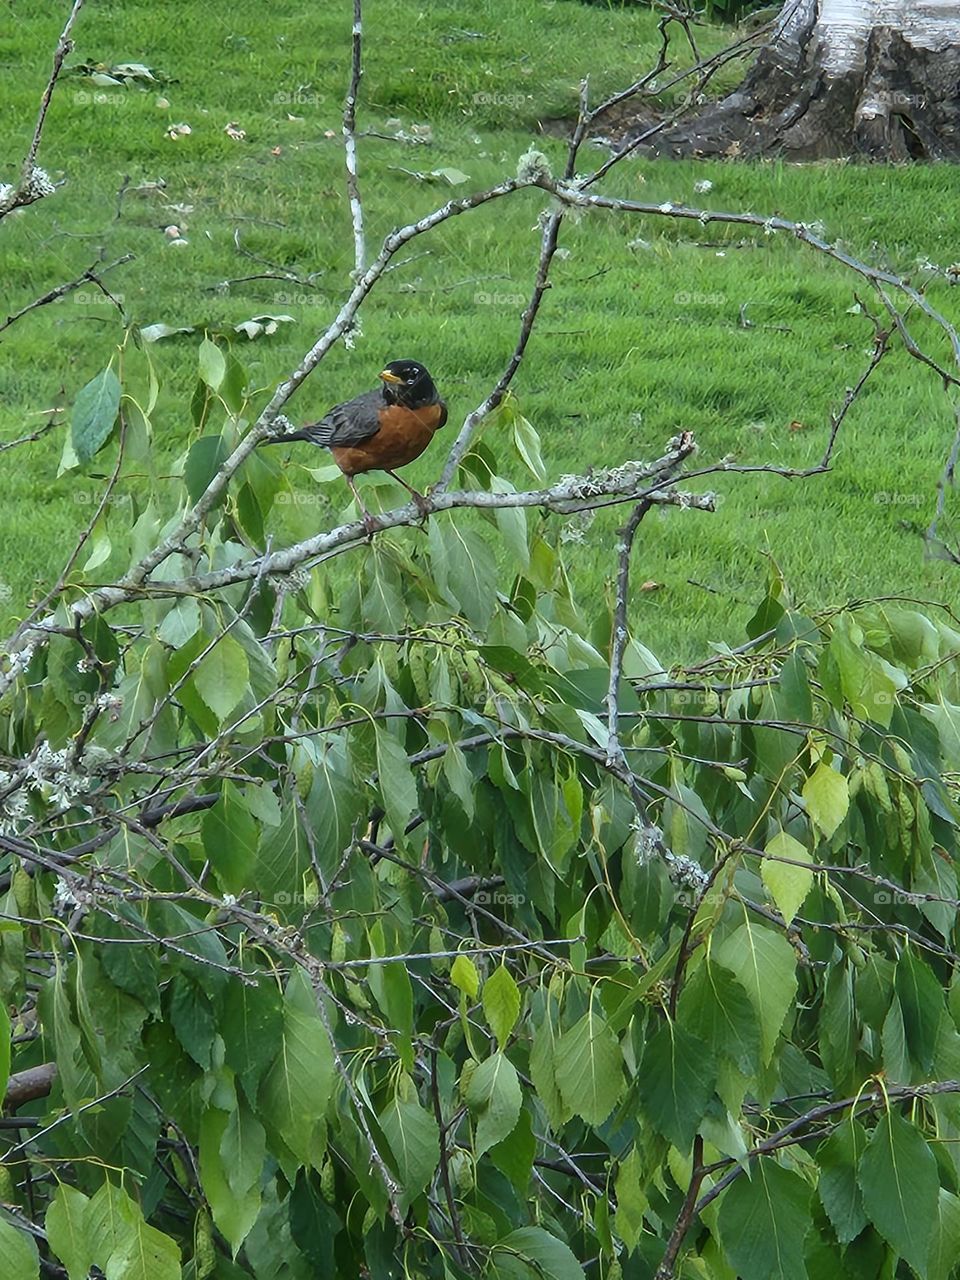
27 1086
53 420
92 275
686 1214
350 141
570 494
34 183
618 645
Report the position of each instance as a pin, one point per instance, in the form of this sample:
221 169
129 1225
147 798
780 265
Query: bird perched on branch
380 430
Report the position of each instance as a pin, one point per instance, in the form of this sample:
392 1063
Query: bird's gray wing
349 423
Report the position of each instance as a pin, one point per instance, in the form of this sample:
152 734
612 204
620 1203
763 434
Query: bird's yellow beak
387 376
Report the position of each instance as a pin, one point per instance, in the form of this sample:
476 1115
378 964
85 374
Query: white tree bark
872 79
844 26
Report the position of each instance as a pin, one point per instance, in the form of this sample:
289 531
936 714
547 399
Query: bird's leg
370 523
423 506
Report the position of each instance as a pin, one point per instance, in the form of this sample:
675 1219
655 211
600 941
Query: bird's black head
407 382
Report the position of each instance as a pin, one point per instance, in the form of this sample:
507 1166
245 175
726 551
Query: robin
380 430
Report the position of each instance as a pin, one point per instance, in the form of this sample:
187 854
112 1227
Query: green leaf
797 701
223 677
543 1071
457 772
94 413
21 1261
465 569
192 1018
676 1081
108 1220
527 442
181 623
514 1155
334 805
589 1068
869 683
251 1026
76 1078
230 839
382 597
631 1201
765 964
788 884
464 976
205 458
501 1004
154 332
4 1049
392 990
946 1238
512 523
234 1209
314 1225
262 802
900 1186
195 939
827 798
144 1253
922 1006
414 1138
213 364
100 553
266 324
67 1231
715 1003
299 1085
549 1257
126 1248
936 875
838 1024
284 860
243 1147
397 785
893 1040
493 1096
838 1158
556 827
763 1220
233 387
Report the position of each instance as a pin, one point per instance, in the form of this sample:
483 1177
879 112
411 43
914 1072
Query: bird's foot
370 524
421 503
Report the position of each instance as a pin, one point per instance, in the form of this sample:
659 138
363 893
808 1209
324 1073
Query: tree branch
350 141
618 645
92 275
34 183
631 481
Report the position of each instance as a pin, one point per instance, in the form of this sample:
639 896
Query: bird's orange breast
404 434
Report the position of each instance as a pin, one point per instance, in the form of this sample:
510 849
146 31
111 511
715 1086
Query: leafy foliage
357 950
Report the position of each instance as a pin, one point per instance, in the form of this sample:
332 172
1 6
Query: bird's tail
316 433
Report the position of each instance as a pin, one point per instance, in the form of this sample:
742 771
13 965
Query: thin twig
29 188
620 633
92 275
350 141
682 1224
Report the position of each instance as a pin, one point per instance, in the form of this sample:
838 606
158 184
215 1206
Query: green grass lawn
639 336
